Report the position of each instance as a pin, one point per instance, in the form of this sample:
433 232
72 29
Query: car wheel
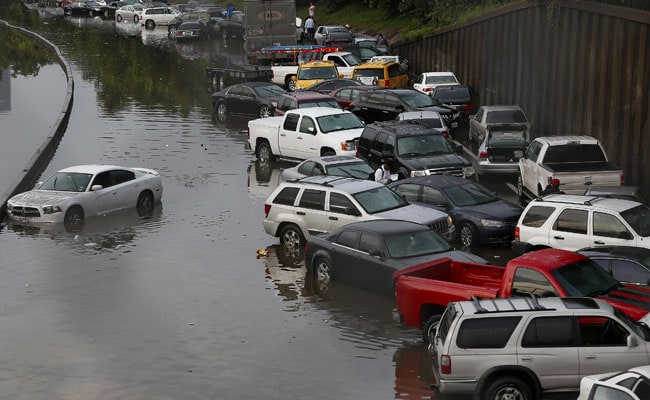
291 237
265 111
222 112
105 13
430 327
136 19
91 13
322 275
118 18
467 235
264 152
172 30
145 204
327 153
74 219
520 189
150 24
508 388
291 85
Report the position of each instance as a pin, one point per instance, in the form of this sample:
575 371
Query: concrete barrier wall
575 67
39 161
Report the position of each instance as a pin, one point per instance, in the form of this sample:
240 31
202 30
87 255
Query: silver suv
521 348
317 204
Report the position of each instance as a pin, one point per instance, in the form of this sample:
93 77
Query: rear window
536 216
443 94
506 116
445 322
486 333
372 73
575 153
287 196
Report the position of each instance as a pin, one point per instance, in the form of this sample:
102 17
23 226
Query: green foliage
22 53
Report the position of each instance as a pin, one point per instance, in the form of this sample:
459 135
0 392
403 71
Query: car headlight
488 223
468 171
418 173
51 209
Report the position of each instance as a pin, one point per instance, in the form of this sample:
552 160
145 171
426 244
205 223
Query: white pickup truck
344 61
577 161
305 133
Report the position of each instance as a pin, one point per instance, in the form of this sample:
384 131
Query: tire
328 153
172 30
74 219
136 19
508 388
430 326
150 24
291 237
222 112
91 13
520 189
264 152
118 18
145 203
322 275
105 13
467 235
291 85
265 111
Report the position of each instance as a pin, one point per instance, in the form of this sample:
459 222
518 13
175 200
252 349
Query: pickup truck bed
589 167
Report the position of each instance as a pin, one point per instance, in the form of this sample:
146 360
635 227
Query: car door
126 188
548 342
474 123
527 164
608 229
391 107
417 84
248 102
307 139
320 35
288 137
372 272
106 199
604 346
342 211
570 230
311 208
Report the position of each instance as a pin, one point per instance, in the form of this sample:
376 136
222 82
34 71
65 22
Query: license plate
454 124
187 33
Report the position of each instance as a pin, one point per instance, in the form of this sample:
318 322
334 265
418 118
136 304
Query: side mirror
294 78
311 130
95 188
631 341
377 253
400 107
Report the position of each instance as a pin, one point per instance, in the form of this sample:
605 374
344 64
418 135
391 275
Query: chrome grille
440 226
28 212
453 171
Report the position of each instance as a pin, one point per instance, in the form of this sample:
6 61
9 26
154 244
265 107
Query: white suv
521 348
571 222
317 204
151 17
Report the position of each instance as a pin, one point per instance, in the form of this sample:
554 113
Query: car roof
595 202
336 159
437 181
438 73
253 84
348 185
501 107
405 127
91 168
548 259
630 252
533 304
566 139
385 226
306 94
319 111
422 114
375 64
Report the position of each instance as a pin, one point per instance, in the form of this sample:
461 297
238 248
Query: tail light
445 134
248 133
427 90
467 107
483 154
517 233
622 180
267 209
387 83
445 364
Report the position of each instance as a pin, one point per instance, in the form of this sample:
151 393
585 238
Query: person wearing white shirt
382 175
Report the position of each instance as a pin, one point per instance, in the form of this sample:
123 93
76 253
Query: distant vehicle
501 149
364 52
199 16
233 27
332 35
75 193
427 81
633 193
497 114
480 217
629 265
430 118
389 74
458 97
347 94
366 254
311 72
304 99
129 13
248 99
192 30
328 85
632 384
349 166
155 16
83 9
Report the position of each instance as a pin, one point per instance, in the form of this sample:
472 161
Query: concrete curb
37 163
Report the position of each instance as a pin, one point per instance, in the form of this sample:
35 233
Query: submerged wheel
172 30
429 327
91 13
222 112
508 388
136 19
265 111
74 218
118 18
291 85
145 203
291 237
467 235
264 152
150 24
520 189
322 275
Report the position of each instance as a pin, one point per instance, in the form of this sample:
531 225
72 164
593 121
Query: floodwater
178 305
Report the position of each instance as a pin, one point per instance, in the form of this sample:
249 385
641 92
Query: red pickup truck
423 291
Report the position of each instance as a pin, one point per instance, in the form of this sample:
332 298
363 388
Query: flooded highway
179 305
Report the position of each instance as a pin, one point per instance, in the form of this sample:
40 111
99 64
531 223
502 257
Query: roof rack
531 302
585 200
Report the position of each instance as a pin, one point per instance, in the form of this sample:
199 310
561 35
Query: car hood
435 161
347 134
497 210
38 198
440 109
455 255
414 213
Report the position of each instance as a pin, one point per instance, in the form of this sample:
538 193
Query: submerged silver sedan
74 193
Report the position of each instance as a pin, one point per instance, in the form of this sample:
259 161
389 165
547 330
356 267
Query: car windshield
639 219
441 79
640 329
268 90
67 182
319 103
338 122
379 199
584 279
317 73
417 99
471 194
423 145
415 244
352 60
505 116
359 170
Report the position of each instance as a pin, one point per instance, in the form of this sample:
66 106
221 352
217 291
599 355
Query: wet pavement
179 305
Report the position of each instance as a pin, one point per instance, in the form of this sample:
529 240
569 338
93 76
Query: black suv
458 97
386 104
413 149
